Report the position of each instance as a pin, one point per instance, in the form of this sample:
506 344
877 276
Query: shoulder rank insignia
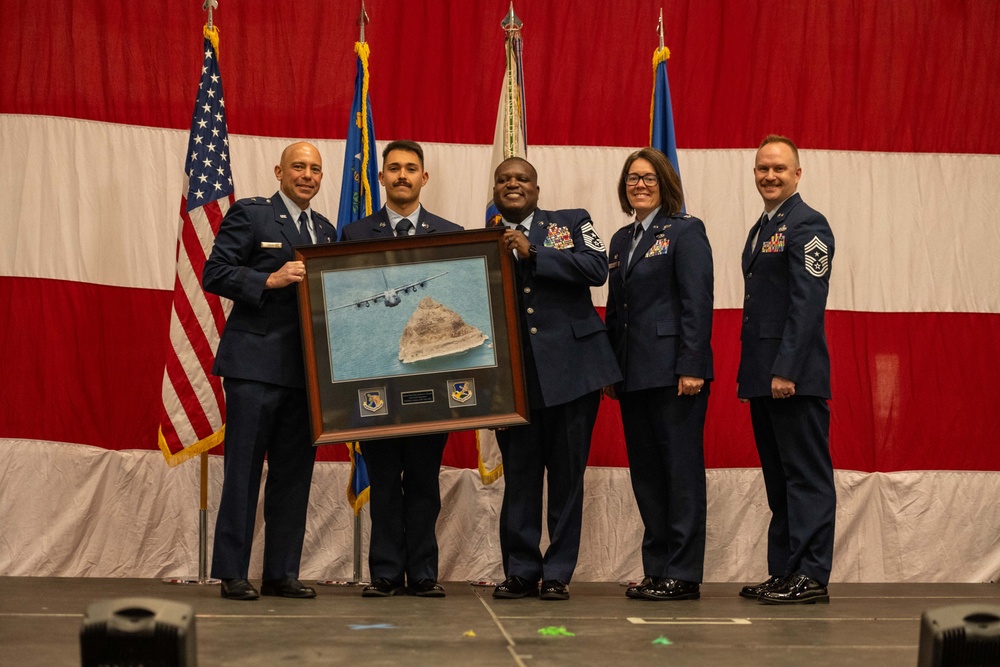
817 257
591 238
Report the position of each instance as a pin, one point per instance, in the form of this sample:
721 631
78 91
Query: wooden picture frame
390 342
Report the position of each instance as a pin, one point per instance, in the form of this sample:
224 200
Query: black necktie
305 238
522 229
756 236
403 227
636 237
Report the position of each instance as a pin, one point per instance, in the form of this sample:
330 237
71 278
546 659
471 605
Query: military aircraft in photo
391 296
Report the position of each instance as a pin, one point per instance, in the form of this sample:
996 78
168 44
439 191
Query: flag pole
203 517
356 578
203 578
659 28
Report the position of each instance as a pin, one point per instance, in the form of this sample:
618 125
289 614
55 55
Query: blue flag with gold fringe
661 115
359 197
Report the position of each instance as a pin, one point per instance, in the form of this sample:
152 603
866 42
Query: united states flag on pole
193 416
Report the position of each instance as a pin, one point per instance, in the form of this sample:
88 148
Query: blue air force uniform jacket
659 312
376 226
262 340
787 278
562 333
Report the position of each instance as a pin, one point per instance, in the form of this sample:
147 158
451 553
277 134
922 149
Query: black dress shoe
381 588
286 588
426 588
515 587
753 591
796 589
238 589
553 589
633 591
670 589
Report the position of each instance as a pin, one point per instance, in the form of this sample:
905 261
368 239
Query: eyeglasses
649 179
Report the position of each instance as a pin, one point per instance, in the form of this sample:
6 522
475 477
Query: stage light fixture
134 632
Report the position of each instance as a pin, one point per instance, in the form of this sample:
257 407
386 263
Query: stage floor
870 624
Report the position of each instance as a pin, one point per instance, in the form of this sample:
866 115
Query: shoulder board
256 201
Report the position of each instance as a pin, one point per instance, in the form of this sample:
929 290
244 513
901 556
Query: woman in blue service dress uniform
659 318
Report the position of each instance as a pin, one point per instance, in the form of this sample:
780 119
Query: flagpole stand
356 581
203 579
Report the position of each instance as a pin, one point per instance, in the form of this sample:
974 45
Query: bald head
300 172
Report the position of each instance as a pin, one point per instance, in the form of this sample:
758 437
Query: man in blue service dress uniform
260 357
785 374
567 360
403 472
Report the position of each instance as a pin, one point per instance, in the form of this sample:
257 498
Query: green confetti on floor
662 641
553 631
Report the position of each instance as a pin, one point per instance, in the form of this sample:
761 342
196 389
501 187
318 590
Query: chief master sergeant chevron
567 360
785 374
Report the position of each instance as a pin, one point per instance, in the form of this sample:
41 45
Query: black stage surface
865 624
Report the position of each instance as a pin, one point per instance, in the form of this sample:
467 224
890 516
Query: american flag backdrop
194 406
893 106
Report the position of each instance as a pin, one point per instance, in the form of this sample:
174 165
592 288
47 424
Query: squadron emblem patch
817 257
461 393
591 238
372 401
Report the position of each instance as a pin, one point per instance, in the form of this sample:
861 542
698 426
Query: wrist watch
532 252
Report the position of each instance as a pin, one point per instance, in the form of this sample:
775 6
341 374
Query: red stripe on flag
882 76
206 359
90 370
188 399
83 362
168 432
196 255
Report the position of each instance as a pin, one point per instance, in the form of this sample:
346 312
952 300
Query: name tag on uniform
613 265
270 244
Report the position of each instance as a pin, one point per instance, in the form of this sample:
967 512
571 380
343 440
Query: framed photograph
411 336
